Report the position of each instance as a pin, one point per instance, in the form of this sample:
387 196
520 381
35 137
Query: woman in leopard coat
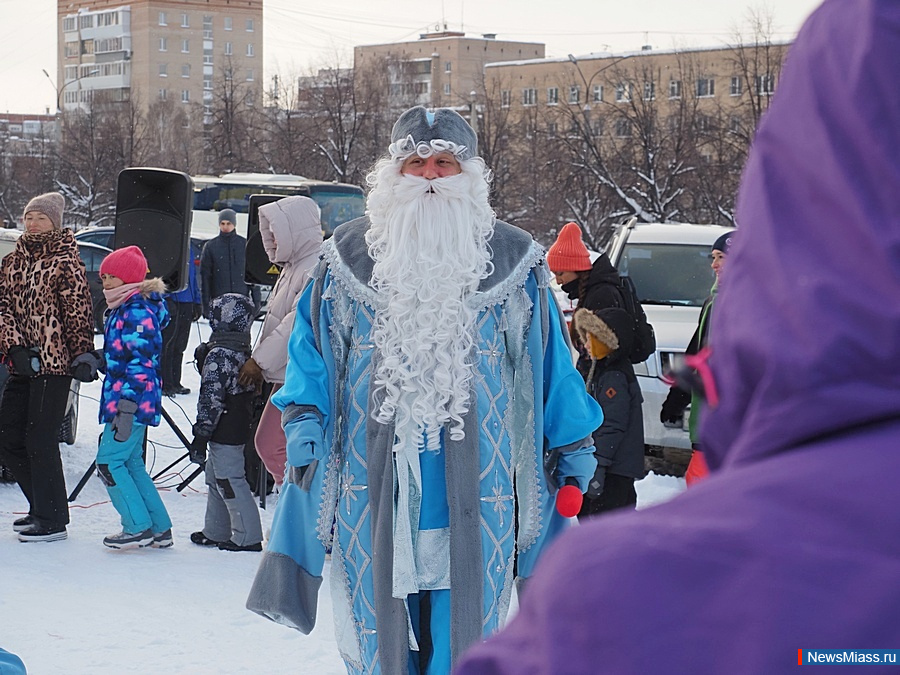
46 337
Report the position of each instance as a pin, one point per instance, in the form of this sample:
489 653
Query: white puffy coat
292 236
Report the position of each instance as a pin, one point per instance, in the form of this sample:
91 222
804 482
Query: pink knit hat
568 253
129 264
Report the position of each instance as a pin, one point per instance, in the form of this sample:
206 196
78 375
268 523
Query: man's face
226 226
440 165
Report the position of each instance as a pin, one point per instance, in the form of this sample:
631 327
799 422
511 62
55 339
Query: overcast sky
300 34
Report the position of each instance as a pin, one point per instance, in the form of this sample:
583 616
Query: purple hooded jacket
794 541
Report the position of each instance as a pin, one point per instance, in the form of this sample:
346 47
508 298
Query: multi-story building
442 69
150 50
718 81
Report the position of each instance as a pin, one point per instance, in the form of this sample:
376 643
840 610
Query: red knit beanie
568 253
129 264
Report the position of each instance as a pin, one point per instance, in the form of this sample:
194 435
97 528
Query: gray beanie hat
229 215
51 204
418 126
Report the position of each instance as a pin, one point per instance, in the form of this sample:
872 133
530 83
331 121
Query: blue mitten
579 464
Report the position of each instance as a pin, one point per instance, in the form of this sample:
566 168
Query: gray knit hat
51 204
440 130
229 215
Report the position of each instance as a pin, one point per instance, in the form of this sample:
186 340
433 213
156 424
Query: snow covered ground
78 607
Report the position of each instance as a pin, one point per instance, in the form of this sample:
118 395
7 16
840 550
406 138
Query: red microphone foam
568 501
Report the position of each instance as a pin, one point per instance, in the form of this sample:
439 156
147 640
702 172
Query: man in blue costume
431 411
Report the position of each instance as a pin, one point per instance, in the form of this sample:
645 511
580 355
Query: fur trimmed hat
129 264
568 253
51 204
424 126
229 215
604 331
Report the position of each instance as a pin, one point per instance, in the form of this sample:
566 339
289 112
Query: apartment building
150 50
443 68
714 80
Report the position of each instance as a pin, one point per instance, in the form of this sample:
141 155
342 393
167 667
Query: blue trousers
130 487
438 627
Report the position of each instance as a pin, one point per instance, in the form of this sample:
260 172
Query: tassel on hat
51 204
568 253
129 264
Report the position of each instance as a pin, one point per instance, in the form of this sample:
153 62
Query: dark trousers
30 416
618 493
175 341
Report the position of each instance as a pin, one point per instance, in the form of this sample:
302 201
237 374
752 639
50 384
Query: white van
670 266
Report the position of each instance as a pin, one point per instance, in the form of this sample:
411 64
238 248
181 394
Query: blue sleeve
306 378
570 413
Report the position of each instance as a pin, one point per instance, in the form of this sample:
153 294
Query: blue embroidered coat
530 404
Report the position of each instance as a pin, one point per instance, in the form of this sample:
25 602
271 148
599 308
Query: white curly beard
429 241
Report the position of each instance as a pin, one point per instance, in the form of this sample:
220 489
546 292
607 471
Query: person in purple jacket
791 544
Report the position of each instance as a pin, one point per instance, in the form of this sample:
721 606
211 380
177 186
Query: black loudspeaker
258 268
153 212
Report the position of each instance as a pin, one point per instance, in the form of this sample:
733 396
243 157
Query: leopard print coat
45 301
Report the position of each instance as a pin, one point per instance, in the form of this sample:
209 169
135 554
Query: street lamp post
60 90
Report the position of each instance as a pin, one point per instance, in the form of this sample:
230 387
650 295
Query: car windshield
669 274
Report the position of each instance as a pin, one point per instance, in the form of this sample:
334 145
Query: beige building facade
151 50
442 69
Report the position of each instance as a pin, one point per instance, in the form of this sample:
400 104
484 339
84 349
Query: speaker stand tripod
181 437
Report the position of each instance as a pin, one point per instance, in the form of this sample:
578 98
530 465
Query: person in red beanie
594 286
130 401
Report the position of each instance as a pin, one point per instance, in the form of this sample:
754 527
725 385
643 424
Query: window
163 94
249 25
704 123
552 95
163 44
185 46
574 94
597 93
87 46
72 49
674 88
68 24
228 49
162 19
447 68
623 128
250 75
552 128
228 23
529 96
734 124
185 96
186 70
504 98
623 92
706 86
765 85
86 21
446 90
185 23
649 91
736 86
163 69
250 49
71 72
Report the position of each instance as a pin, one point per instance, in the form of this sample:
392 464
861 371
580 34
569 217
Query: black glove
672 412
85 366
25 360
595 485
197 451
197 311
124 420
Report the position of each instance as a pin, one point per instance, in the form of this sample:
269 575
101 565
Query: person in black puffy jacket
222 264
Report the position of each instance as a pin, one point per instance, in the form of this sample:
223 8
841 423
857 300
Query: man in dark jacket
184 308
222 264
